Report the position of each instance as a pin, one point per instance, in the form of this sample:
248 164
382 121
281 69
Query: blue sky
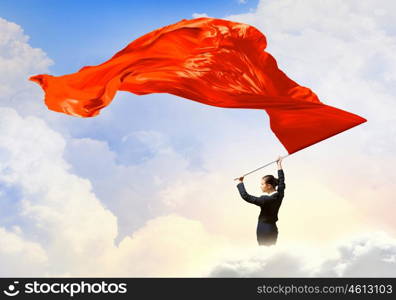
75 33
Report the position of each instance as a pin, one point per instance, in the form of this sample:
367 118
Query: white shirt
269 194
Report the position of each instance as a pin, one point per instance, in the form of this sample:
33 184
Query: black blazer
269 203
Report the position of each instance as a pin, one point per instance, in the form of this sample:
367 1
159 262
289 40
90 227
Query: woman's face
265 187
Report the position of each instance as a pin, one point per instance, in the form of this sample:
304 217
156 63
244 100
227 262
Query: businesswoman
269 202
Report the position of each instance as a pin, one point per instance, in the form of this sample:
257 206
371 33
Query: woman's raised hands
279 162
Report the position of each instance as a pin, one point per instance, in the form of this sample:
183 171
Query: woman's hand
240 179
279 162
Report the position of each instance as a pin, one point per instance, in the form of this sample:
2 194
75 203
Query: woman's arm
253 199
281 176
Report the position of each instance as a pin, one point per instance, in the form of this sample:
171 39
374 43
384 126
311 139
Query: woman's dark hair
270 179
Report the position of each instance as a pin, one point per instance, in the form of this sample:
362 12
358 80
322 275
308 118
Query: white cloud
367 255
167 246
199 15
58 208
18 61
66 231
18 256
130 191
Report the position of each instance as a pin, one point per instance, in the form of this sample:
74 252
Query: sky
146 188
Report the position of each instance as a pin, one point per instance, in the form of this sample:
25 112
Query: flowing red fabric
212 61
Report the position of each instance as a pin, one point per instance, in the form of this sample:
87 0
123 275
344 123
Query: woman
267 231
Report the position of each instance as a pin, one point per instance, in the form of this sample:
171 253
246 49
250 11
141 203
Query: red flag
212 61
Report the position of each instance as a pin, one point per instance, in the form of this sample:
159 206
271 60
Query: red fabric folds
212 61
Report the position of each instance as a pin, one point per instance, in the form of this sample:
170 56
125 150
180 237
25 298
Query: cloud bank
367 255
